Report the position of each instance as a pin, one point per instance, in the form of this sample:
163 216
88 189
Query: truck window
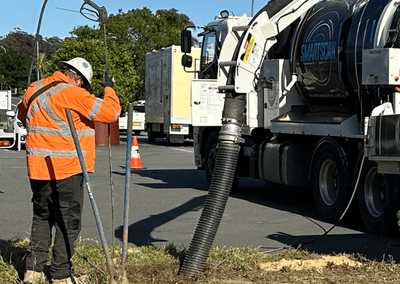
139 108
209 61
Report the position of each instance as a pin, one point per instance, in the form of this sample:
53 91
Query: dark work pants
58 204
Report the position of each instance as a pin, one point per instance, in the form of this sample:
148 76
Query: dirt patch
299 264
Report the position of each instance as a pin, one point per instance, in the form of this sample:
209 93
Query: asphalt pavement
166 198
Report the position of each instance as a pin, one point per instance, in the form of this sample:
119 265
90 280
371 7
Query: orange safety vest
51 153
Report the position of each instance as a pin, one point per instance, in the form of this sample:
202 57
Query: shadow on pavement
139 233
176 178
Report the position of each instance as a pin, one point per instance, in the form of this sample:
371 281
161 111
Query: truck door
165 79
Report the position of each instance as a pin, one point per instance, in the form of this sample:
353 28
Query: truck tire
377 199
211 154
151 136
329 185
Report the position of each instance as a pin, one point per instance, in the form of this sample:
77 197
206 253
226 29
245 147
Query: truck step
240 28
227 63
228 88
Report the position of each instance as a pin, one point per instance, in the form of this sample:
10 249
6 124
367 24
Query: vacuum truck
304 94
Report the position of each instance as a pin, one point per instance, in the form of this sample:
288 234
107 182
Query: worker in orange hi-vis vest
53 166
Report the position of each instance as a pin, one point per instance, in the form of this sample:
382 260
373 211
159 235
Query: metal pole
89 190
36 40
127 185
37 58
109 149
105 45
111 185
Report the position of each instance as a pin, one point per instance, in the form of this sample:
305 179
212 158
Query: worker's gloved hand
108 81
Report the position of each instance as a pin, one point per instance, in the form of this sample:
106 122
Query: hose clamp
231 132
228 121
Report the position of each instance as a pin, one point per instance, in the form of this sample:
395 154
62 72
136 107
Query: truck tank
327 47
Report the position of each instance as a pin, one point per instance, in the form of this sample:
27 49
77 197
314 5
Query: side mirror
187 61
186 41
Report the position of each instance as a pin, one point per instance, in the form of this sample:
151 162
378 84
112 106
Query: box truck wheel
329 186
211 154
151 135
377 199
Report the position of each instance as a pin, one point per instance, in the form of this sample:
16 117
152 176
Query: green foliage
22 41
137 32
239 258
92 50
14 69
42 65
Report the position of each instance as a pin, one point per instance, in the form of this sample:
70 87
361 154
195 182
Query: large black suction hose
221 183
225 166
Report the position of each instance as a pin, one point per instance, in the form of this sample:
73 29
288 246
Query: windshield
209 57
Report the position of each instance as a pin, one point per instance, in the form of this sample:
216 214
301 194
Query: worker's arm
110 108
105 110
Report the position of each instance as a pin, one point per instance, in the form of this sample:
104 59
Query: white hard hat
80 65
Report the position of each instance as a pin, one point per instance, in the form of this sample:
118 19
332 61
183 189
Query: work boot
34 277
70 280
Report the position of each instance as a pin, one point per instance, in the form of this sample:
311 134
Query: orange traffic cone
136 162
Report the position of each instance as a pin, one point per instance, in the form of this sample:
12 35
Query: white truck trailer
168 111
305 101
12 132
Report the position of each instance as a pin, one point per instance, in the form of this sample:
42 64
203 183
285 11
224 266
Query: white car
138 119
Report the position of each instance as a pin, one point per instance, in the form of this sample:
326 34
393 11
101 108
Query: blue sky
24 14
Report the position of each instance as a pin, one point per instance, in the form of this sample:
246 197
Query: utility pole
1 83
37 58
252 8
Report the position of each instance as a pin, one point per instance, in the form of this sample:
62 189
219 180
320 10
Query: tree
14 69
140 31
22 41
42 65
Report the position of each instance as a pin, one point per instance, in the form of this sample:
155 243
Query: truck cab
207 102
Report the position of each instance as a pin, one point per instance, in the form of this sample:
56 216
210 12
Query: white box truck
168 111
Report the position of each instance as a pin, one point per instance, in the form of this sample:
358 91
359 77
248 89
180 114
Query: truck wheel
211 154
330 190
377 199
151 136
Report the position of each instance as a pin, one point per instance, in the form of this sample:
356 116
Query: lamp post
252 8
1 83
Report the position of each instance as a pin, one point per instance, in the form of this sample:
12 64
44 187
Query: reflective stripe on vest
95 109
52 153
